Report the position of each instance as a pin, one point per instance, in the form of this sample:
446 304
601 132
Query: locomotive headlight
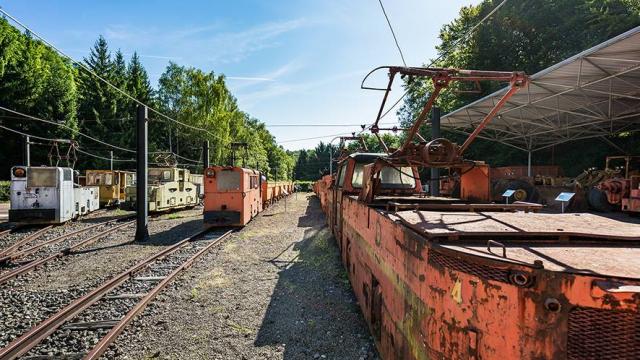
210 173
19 172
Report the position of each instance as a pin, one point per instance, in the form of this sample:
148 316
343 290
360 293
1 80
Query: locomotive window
108 179
66 174
166 175
228 180
341 176
42 177
358 172
91 178
400 178
253 182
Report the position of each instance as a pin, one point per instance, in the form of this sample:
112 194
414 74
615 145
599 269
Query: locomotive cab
41 195
353 179
232 195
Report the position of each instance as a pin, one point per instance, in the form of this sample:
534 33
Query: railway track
37 254
88 325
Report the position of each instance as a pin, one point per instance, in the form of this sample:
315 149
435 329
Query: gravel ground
275 290
30 298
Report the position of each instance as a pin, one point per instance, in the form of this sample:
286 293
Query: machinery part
524 191
441 78
615 190
598 201
440 151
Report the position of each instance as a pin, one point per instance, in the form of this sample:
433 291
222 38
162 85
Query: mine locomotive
48 195
169 188
234 195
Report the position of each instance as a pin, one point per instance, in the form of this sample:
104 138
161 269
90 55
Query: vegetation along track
89 324
42 252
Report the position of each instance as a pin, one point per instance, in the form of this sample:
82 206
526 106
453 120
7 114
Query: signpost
507 194
564 197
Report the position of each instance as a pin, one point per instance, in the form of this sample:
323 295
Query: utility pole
27 150
205 154
434 184
111 162
142 197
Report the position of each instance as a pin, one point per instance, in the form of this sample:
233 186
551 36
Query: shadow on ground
313 312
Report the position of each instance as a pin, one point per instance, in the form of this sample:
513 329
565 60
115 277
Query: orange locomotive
234 195
444 279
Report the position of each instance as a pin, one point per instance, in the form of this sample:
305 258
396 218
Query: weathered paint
465 306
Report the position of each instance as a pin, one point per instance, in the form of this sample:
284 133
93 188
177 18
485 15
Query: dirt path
276 290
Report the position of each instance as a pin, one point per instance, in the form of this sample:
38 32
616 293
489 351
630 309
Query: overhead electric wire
66 127
447 51
392 32
86 68
31 136
104 158
82 134
313 138
58 140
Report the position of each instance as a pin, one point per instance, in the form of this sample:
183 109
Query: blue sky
287 62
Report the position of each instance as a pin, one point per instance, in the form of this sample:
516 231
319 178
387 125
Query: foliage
527 36
4 190
313 164
304 186
37 81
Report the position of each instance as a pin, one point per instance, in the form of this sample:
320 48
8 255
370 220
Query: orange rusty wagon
442 278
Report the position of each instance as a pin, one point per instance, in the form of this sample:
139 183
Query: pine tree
98 100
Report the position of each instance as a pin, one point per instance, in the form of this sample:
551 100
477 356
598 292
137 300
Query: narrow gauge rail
9 256
168 264
26 239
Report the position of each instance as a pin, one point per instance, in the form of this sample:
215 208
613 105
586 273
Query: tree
36 81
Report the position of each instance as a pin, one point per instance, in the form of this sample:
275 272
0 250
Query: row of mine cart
468 278
54 195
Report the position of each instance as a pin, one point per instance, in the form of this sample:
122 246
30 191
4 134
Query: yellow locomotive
112 184
169 188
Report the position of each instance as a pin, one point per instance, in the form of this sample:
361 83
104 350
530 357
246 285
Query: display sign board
508 193
565 196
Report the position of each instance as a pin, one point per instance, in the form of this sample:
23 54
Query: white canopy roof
592 94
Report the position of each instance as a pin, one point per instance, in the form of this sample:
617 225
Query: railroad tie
67 356
124 296
91 325
149 278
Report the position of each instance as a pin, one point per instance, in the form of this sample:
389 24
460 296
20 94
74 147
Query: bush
304 186
4 190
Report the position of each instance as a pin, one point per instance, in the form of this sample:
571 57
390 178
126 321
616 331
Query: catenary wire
49 139
89 137
454 45
392 32
66 127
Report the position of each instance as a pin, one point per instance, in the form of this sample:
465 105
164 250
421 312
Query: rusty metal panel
603 334
434 224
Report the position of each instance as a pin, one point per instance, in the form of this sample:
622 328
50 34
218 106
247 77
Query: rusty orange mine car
234 195
443 278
